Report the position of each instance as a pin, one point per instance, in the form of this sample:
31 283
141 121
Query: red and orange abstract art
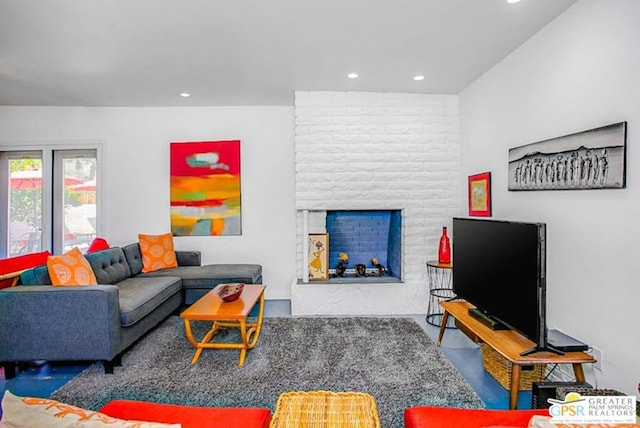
205 188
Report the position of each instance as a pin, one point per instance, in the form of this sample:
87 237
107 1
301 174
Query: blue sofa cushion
139 297
208 276
110 266
36 276
134 257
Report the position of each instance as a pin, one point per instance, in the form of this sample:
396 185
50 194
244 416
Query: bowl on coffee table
230 292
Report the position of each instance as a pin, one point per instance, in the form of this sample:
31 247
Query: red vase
444 250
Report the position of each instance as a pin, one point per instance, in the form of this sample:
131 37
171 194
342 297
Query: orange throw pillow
157 252
71 268
20 411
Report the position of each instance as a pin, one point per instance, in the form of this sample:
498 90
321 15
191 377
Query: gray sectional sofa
97 323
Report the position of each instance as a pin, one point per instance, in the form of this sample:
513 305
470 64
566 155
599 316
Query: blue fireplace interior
365 234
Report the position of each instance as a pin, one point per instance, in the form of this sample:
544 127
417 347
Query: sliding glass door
49 200
24 203
75 185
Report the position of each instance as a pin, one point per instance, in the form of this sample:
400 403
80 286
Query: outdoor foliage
26 204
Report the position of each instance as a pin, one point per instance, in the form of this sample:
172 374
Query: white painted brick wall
366 150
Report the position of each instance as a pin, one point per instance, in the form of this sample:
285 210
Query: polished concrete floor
41 379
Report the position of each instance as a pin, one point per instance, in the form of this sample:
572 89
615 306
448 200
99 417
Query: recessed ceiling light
513 1
419 77
352 75
185 94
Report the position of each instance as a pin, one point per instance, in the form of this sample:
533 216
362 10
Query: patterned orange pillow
157 252
43 412
71 268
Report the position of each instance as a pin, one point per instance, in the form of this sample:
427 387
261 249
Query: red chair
98 244
189 416
11 268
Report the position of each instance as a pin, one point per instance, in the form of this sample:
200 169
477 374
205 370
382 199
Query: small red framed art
480 195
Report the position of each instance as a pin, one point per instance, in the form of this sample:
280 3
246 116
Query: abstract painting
593 159
205 188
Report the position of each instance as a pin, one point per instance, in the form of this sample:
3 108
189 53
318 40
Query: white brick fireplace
375 151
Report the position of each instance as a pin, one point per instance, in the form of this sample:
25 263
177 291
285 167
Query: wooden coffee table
211 307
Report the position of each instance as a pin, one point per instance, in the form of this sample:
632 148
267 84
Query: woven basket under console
500 368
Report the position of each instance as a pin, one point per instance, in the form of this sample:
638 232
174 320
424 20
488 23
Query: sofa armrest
442 417
189 416
189 258
42 322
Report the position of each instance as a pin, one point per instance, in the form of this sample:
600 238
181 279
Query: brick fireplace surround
375 151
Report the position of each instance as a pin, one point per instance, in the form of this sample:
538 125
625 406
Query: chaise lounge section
39 321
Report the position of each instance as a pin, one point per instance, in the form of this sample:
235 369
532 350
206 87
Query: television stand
510 344
487 320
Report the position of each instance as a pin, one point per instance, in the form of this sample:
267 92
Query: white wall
580 72
135 143
364 150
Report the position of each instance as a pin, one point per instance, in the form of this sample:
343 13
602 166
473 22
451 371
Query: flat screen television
500 268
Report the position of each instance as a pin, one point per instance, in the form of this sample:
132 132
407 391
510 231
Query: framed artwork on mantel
318 256
480 195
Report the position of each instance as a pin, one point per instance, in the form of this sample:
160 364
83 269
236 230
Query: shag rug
392 359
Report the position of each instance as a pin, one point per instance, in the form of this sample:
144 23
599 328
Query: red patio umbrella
32 179
88 186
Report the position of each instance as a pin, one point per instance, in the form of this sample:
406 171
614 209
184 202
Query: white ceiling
251 52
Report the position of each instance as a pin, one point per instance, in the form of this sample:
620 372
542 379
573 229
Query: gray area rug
392 359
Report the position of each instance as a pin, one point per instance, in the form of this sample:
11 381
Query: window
49 201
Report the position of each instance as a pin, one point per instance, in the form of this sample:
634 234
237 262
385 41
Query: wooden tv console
509 344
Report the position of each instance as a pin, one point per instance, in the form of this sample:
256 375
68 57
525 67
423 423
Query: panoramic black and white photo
593 159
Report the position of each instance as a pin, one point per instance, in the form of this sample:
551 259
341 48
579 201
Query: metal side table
440 277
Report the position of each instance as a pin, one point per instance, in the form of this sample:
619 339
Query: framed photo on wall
318 256
480 195
591 159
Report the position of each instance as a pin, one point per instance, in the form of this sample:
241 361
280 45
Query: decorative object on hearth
341 267
230 292
380 269
592 159
480 195
205 188
318 256
361 269
444 249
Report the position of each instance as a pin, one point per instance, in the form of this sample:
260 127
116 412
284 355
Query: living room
578 73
